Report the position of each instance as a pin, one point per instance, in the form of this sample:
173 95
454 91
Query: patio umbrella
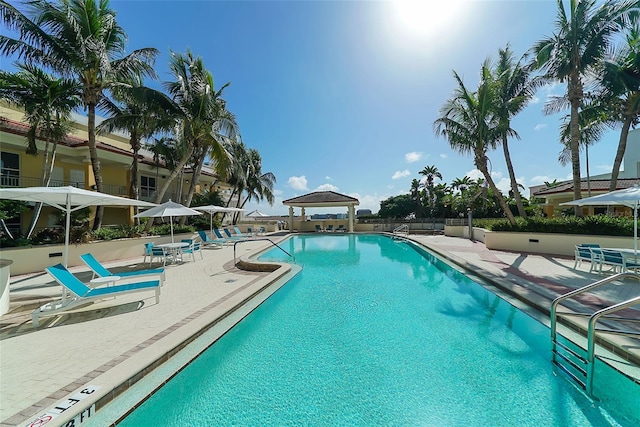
215 209
255 214
67 199
626 197
168 209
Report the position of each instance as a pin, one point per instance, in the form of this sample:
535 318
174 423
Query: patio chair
81 294
234 236
318 228
329 228
158 252
341 228
147 251
194 247
101 271
585 253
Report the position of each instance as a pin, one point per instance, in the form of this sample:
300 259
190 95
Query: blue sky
342 95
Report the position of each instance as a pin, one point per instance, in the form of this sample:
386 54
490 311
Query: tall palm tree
621 81
79 38
577 48
468 122
430 173
48 102
259 184
223 128
462 184
416 196
515 88
139 111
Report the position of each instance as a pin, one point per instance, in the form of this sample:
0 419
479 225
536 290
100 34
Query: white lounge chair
82 294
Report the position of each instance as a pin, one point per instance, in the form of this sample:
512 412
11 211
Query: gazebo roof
322 199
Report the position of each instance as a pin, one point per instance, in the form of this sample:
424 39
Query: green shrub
595 225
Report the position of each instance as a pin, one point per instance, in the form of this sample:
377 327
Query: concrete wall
541 243
33 259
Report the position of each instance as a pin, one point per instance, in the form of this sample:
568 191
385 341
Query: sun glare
426 17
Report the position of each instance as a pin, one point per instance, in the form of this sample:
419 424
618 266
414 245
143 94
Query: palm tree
471 127
462 184
576 49
515 88
415 196
430 173
223 128
259 185
139 111
48 102
621 80
79 38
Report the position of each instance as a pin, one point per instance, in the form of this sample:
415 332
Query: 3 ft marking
65 405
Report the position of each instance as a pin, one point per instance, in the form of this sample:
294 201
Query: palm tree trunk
174 173
622 147
481 163
512 178
575 97
47 170
95 161
195 178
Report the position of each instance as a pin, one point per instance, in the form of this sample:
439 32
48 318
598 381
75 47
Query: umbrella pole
171 222
211 224
635 229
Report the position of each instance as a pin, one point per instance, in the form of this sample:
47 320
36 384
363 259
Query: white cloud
540 126
326 187
443 156
541 179
298 183
328 178
412 157
277 192
401 174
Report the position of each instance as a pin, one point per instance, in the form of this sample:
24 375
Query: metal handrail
401 227
558 300
592 330
254 240
589 361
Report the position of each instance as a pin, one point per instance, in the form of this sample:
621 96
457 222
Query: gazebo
322 199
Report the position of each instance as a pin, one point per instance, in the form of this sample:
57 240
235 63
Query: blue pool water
378 332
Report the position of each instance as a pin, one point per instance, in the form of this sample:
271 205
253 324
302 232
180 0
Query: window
9 169
147 187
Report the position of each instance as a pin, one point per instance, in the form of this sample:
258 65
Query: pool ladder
399 230
571 358
256 239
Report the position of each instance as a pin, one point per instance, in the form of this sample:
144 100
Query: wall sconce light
187 181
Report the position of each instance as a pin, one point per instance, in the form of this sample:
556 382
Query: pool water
379 332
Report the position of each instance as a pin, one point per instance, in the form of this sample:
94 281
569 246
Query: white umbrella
255 214
626 197
168 209
67 199
215 209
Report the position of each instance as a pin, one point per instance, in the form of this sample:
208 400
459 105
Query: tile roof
325 197
596 185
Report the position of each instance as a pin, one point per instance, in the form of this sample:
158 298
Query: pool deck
111 344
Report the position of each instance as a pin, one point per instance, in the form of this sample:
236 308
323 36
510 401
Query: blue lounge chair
329 227
207 241
241 234
101 271
341 228
82 294
226 240
232 236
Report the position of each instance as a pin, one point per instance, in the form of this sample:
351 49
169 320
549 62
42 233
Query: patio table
174 249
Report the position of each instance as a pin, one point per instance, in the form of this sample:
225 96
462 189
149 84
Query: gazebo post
351 215
290 219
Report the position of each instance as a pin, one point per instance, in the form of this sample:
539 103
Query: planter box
33 259
538 243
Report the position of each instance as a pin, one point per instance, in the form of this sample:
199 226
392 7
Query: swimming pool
379 332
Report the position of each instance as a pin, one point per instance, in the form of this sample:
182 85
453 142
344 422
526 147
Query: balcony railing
19 181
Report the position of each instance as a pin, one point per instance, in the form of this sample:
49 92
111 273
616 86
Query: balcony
19 181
